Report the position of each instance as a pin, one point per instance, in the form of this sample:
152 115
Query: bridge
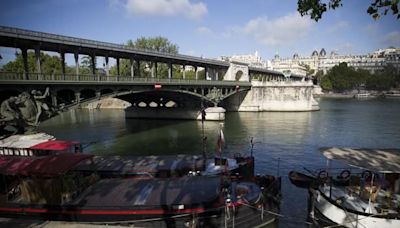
223 80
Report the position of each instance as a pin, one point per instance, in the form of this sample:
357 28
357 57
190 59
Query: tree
159 44
48 64
315 8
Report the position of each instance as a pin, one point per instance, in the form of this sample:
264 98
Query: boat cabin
46 180
39 144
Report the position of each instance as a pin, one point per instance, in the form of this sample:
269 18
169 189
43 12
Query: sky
208 28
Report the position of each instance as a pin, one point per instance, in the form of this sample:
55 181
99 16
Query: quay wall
275 96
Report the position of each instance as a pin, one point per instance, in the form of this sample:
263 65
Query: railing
46 78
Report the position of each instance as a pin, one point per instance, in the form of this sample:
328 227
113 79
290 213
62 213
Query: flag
203 112
221 140
203 115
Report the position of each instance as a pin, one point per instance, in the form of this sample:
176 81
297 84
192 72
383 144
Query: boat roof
25 141
58 145
11 165
46 166
150 193
145 164
378 160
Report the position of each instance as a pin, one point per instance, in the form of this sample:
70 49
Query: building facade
320 61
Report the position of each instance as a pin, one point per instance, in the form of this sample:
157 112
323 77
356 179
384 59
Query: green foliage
341 78
48 64
315 8
159 44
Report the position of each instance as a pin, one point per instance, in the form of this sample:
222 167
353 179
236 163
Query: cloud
391 39
344 48
338 26
280 31
205 31
372 29
166 8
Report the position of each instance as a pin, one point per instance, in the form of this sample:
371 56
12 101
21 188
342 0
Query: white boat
369 200
363 96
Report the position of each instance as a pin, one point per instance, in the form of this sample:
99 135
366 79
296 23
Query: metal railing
54 78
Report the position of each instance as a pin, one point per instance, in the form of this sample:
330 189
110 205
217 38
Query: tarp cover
58 145
378 160
48 166
12 165
150 193
25 141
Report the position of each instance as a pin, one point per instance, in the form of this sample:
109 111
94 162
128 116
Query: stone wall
275 96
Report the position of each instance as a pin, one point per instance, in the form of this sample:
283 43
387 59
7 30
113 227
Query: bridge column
76 56
62 56
196 72
184 72
25 60
154 70
138 68
169 70
98 94
77 97
107 66
117 59
206 72
37 56
216 75
93 60
132 68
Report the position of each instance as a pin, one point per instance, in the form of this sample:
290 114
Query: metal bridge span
222 79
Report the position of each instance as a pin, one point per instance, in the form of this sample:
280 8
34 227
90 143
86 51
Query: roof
59 145
154 193
11 165
147 164
378 160
25 141
47 166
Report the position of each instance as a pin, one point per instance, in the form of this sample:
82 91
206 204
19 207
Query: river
288 140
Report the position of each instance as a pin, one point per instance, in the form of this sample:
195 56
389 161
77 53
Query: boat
38 144
49 188
364 96
301 180
392 94
371 198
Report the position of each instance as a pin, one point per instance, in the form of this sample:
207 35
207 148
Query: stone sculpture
23 113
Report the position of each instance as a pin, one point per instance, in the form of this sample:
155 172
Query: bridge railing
17 77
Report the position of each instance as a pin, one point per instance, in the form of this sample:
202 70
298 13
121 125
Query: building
253 60
320 61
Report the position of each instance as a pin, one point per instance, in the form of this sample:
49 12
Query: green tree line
341 78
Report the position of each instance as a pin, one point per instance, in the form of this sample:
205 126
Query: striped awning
378 160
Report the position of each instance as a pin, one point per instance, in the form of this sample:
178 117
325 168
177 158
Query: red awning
58 145
47 166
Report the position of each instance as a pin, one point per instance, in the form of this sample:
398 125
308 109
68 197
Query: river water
288 140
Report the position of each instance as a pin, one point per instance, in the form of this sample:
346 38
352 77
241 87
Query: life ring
345 174
323 174
366 174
